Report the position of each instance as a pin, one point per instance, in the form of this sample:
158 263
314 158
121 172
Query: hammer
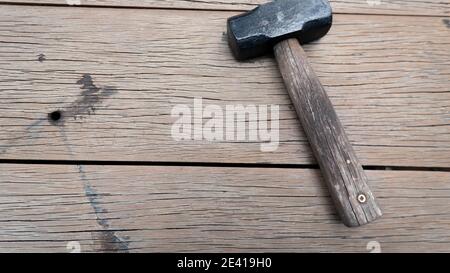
282 25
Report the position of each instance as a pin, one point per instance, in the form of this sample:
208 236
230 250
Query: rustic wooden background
110 177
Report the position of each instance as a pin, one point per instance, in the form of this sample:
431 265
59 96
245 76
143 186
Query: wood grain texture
341 168
400 7
388 78
139 209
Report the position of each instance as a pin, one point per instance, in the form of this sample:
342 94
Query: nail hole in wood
55 116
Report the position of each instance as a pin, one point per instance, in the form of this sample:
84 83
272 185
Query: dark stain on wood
29 133
91 96
446 22
110 241
224 37
41 57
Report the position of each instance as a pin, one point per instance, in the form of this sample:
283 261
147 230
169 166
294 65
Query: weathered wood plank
42 208
401 7
136 209
387 76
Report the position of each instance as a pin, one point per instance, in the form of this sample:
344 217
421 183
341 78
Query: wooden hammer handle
340 167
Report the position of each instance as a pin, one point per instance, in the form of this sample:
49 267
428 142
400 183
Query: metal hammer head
256 32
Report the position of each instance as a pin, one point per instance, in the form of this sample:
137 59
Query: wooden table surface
109 176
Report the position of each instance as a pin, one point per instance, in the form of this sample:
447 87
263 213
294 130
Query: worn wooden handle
341 169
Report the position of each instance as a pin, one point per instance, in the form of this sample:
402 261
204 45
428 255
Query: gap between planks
211 165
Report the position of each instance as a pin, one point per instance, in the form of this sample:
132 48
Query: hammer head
256 32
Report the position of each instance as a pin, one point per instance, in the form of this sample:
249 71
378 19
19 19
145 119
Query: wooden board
387 77
401 7
137 209
116 73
